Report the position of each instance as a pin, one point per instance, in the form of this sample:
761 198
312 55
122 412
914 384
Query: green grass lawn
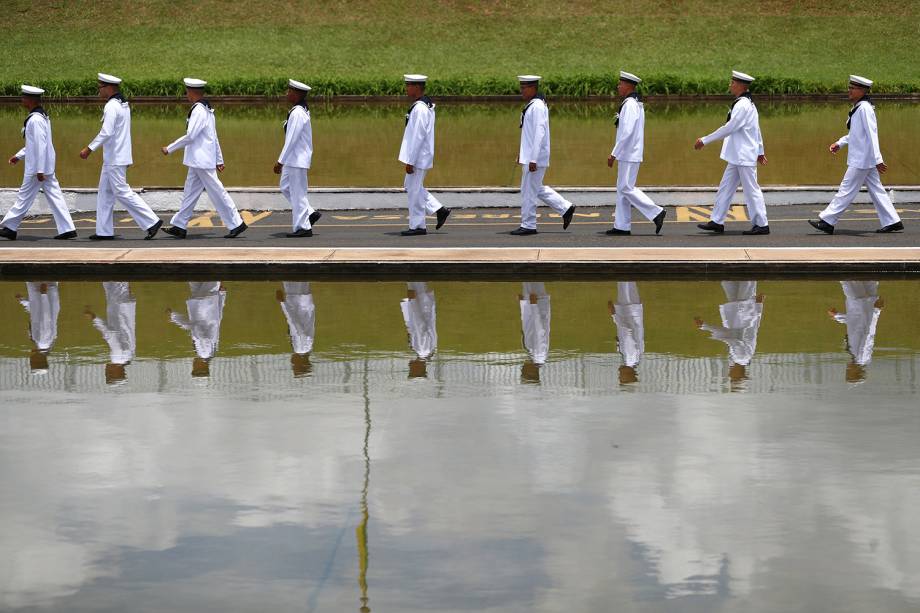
363 47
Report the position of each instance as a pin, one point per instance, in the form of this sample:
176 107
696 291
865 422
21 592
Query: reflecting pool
453 446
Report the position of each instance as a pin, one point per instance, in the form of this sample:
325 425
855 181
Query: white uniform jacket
630 122
298 139
420 316
43 310
861 318
740 324
38 150
115 135
202 149
743 141
118 329
535 323
205 311
418 139
300 312
862 139
535 133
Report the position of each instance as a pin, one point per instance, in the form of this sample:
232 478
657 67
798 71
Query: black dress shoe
523 232
567 217
152 230
101 237
414 232
820 224
314 217
7 233
659 221
895 227
443 213
757 230
299 233
617 232
63 236
175 231
711 226
237 230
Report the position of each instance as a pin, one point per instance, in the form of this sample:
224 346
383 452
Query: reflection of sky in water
243 490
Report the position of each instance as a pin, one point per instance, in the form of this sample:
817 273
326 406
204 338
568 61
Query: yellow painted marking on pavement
387 217
349 217
586 215
250 218
702 213
202 221
737 213
125 220
496 216
36 221
464 216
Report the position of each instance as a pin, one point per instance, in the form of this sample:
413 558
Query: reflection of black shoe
895 227
101 237
757 230
314 217
152 230
659 221
63 236
443 213
617 232
711 226
567 217
299 233
820 224
414 232
237 230
7 233
523 232
175 231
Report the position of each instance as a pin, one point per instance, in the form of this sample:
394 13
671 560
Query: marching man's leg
139 210
294 187
105 207
413 185
849 188
753 198
529 185
226 208
887 215
727 187
178 225
551 197
24 199
58 206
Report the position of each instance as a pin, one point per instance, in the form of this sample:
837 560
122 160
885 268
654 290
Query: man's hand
832 312
698 322
13 160
164 150
879 304
699 144
611 309
84 153
220 167
410 169
532 167
834 148
40 176
758 298
762 160
882 167
610 161
88 313
279 295
277 169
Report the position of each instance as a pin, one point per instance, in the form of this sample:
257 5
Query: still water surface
292 446
477 144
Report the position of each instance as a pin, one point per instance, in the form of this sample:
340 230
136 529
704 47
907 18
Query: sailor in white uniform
864 163
118 328
39 171
294 160
535 325
420 316
417 153
627 153
627 315
43 304
742 149
863 308
741 316
204 160
296 300
533 156
205 310
115 139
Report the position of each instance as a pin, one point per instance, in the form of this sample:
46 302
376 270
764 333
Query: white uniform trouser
746 176
113 186
294 188
205 179
628 195
421 202
532 188
849 188
26 196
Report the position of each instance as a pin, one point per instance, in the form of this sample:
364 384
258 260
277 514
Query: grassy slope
352 46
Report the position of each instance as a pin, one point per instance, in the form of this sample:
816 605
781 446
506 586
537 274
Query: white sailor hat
303 87
194 83
628 76
861 81
29 90
108 79
415 78
529 79
740 76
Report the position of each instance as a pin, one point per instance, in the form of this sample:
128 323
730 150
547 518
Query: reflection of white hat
861 81
415 78
628 76
194 83
298 85
529 79
107 78
32 91
743 77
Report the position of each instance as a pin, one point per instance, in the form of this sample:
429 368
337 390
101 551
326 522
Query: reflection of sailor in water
741 317
535 318
420 316
43 305
627 316
296 301
118 328
205 310
863 308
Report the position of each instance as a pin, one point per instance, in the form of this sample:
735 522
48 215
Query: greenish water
291 446
357 145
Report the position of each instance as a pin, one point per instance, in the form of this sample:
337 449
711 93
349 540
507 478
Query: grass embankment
362 47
